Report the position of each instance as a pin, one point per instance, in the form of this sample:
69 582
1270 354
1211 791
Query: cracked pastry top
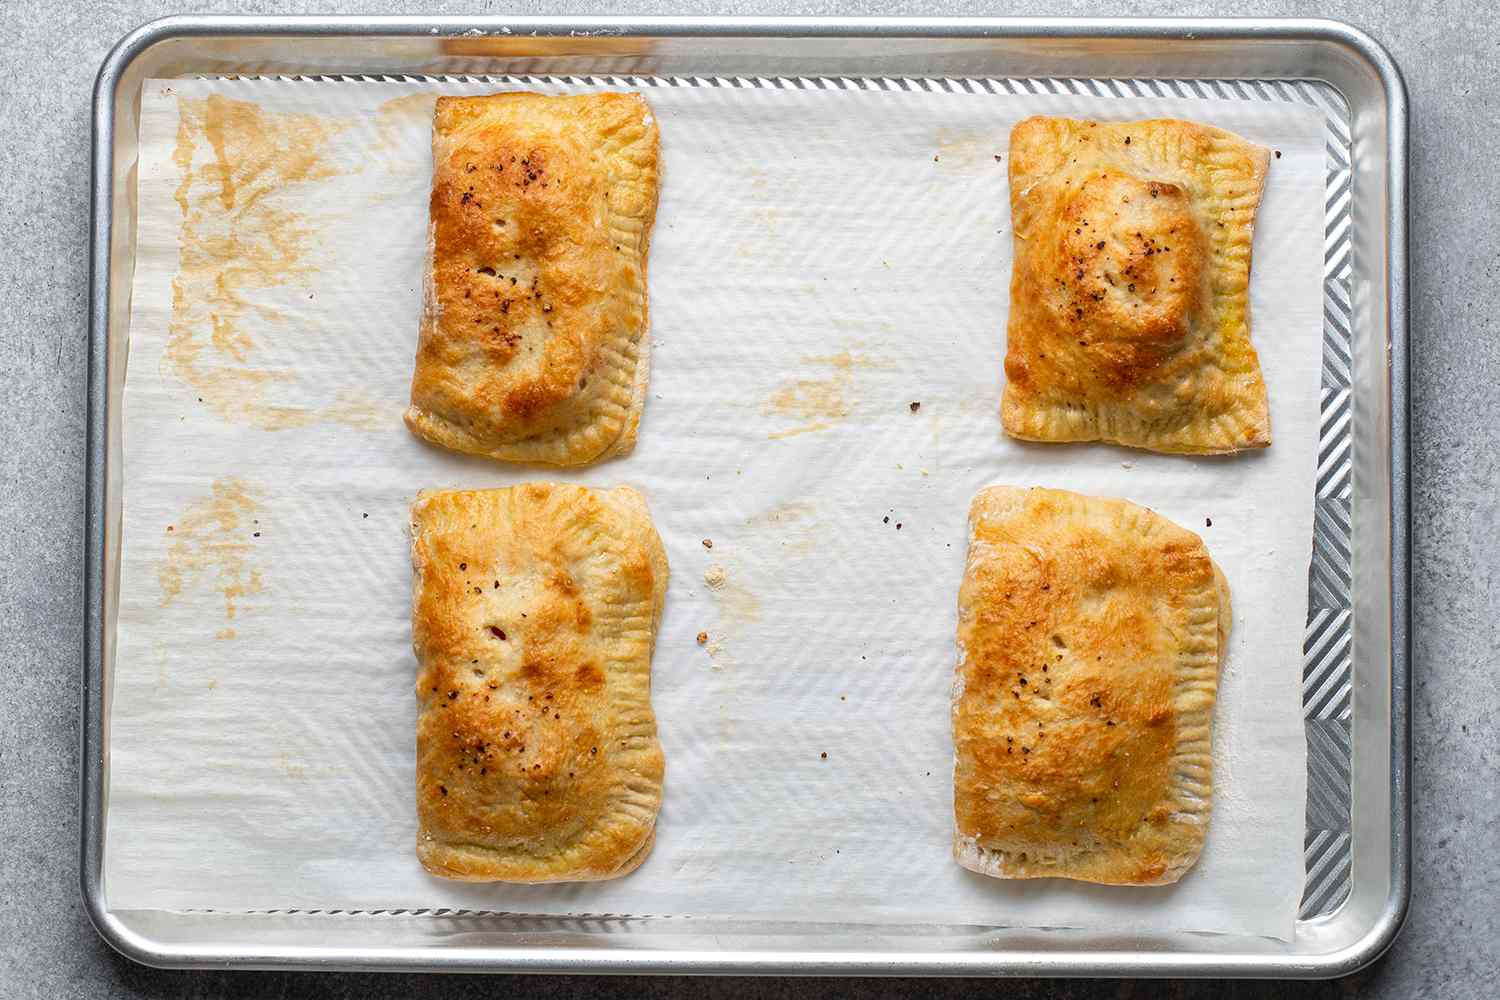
534 616
1090 635
1129 298
533 344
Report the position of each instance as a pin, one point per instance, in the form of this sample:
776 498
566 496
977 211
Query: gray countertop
1451 945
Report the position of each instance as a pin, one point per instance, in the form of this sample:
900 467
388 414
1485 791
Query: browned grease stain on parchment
793 527
235 241
738 608
818 403
781 514
962 150
357 410
397 118
210 544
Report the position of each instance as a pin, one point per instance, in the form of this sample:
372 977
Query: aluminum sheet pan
1355 677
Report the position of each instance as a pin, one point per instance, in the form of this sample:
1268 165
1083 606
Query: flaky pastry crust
1129 305
1090 635
533 344
534 616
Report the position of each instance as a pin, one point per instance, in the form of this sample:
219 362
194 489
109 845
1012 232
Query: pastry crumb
702 638
708 543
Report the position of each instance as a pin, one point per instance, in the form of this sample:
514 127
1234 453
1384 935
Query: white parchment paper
823 258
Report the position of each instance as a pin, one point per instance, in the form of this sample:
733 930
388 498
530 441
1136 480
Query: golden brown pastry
1090 632
1129 293
534 616
533 343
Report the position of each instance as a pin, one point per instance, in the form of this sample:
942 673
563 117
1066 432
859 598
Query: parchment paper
823 259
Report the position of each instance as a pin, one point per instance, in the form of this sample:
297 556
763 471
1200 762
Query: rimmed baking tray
1356 691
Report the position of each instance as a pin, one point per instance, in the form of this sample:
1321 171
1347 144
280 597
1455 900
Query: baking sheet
823 258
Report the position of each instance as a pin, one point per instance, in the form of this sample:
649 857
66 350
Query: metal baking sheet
1355 691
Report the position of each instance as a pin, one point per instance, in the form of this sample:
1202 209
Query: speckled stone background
1450 53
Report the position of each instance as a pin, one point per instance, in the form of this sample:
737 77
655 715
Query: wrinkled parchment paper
823 259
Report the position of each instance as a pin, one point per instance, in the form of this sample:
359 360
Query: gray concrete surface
1451 946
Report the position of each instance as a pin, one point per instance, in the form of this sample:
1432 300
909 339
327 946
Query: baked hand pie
533 343
1090 633
534 615
1129 293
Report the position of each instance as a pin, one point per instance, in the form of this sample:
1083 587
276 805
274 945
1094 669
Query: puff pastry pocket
1129 295
533 342
1090 632
534 616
